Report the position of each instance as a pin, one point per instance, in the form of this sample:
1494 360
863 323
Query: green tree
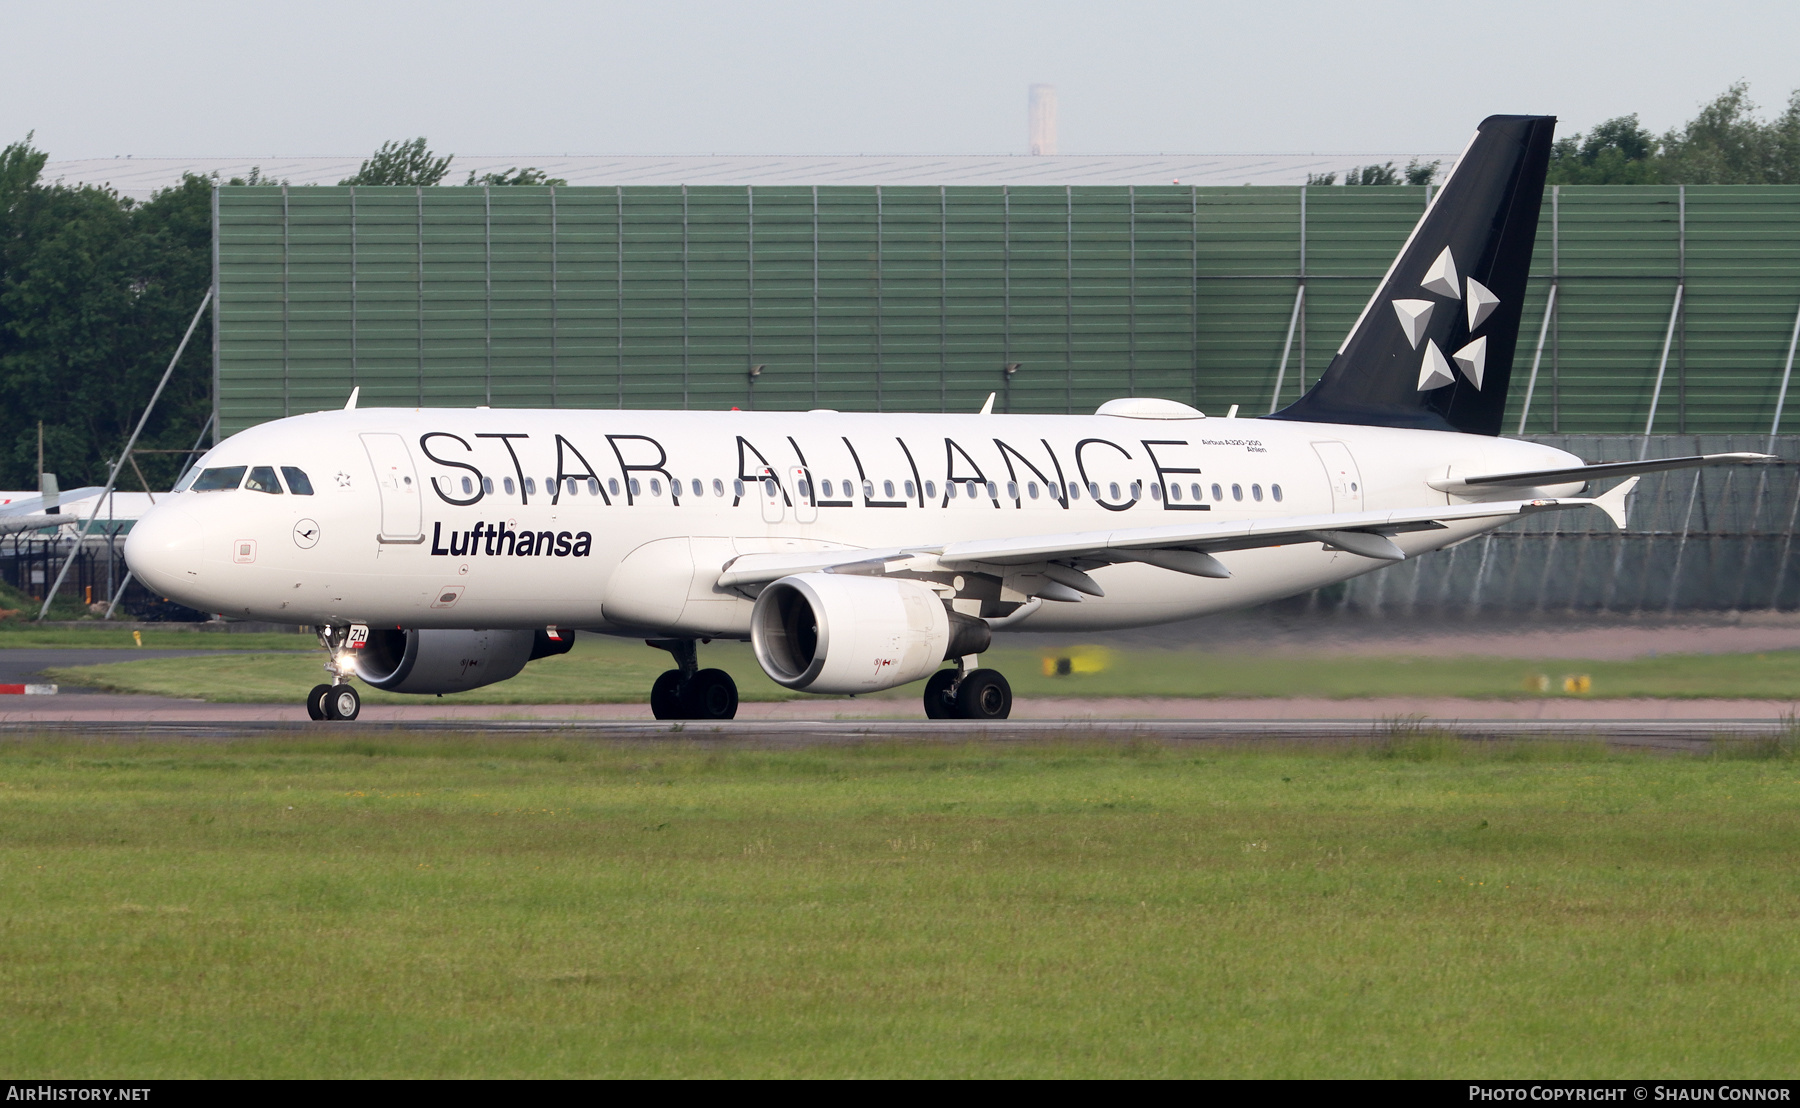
1321 178
1384 174
1421 173
95 292
515 176
1617 152
402 163
1727 145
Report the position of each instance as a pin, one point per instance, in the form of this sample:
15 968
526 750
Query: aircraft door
1342 475
402 508
806 497
773 501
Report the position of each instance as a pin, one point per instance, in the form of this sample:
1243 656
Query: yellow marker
1578 683
1538 682
137 637
1079 659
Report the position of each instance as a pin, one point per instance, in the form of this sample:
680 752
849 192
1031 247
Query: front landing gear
689 692
338 700
968 693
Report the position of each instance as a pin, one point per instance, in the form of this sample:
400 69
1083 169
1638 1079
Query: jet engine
838 633
434 661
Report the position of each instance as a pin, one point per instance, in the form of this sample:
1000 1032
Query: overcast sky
838 77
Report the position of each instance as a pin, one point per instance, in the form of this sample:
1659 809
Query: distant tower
1043 119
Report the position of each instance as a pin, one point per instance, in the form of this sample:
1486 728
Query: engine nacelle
434 661
839 633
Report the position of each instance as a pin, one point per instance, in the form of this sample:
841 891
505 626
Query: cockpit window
262 479
186 480
223 477
297 481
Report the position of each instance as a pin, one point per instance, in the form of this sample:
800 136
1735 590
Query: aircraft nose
164 549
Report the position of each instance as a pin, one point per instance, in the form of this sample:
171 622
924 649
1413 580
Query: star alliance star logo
343 480
1415 317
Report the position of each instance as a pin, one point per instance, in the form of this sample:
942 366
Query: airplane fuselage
620 521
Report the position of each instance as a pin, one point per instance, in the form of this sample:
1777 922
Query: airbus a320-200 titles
441 550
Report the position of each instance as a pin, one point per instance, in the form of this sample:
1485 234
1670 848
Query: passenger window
909 490
531 486
699 489
1174 492
1137 489
1275 491
217 480
718 487
826 485
931 490
868 489
1074 491
737 487
887 489
1256 493
262 479
770 488
1012 490
1031 489
468 486
950 490
297 482
1155 491
805 489
1112 490
487 486
993 491
612 483
1237 492
1195 489
636 489
1218 493
593 486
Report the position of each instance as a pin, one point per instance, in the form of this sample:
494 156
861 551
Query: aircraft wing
1537 477
1185 547
36 503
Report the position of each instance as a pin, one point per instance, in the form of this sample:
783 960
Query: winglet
350 404
1613 503
988 408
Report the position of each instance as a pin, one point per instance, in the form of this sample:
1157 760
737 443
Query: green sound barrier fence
921 298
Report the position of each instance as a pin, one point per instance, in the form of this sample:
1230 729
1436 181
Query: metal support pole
192 458
1536 357
124 455
1787 372
1662 365
1293 322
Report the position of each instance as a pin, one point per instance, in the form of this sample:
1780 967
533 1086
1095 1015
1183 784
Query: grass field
468 907
602 670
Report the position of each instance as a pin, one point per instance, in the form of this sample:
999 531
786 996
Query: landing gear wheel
984 694
710 694
315 701
342 703
665 695
939 703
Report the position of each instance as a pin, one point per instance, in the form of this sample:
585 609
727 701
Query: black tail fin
1434 347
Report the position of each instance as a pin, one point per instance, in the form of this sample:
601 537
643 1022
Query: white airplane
439 550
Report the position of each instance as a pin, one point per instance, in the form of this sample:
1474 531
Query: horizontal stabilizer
1538 478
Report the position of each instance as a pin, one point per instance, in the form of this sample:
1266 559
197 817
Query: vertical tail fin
1434 346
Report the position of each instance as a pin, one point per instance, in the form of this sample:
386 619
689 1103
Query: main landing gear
689 692
967 692
339 700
